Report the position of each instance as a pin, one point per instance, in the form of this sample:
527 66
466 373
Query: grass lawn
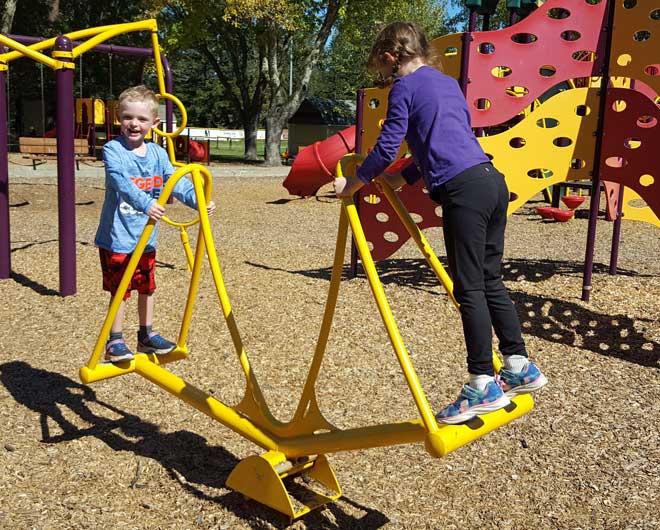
233 150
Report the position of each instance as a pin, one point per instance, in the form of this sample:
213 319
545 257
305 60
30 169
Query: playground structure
65 50
534 90
300 445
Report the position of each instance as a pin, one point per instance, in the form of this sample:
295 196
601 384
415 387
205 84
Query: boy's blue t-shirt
428 110
132 184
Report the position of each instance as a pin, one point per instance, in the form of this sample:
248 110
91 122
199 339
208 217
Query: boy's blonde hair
404 40
140 94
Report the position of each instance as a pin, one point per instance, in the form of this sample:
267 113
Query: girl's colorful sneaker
529 380
154 343
472 402
116 351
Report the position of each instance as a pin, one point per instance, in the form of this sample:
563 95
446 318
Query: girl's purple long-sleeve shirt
428 110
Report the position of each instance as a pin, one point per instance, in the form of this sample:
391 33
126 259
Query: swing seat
109 370
448 438
292 487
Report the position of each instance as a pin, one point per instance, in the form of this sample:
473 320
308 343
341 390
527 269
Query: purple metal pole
616 233
465 56
169 113
168 87
5 241
359 117
66 190
91 140
594 203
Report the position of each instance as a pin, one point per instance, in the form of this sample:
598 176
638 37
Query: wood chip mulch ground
122 453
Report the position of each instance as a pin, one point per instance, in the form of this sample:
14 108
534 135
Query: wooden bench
39 150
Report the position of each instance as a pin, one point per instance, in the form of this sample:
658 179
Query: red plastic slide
315 164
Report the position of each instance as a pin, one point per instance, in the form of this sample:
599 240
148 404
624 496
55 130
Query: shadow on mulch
416 274
318 198
566 323
47 291
182 453
551 319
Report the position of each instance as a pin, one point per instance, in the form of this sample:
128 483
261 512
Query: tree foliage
232 59
248 45
342 69
49 18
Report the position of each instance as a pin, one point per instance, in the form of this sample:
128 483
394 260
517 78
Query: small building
317 119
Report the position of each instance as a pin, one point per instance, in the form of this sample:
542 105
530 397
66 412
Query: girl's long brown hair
405 41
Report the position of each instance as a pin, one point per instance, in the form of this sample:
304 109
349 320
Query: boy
135 174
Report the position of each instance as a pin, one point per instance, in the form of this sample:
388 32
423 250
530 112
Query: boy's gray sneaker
154 343
116 351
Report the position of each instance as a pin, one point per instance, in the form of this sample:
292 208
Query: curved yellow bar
112 31
74 35
383 307
182 110
132 264
349 163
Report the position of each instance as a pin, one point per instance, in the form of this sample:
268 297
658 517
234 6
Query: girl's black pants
474 210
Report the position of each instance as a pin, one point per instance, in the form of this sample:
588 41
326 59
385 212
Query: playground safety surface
124 454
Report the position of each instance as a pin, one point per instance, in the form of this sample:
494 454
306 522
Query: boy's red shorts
113 265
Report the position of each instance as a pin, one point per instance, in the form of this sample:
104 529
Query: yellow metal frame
298 446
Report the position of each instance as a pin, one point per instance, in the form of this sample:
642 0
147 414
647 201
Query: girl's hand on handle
210 208
155 211
347 186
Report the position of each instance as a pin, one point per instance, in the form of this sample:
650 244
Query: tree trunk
274 127
250 125
250 132
283 105
7 18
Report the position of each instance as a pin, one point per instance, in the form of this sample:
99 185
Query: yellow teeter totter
296 449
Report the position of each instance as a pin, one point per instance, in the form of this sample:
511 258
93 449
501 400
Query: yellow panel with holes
552 144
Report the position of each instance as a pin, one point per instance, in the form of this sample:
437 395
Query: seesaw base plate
292 488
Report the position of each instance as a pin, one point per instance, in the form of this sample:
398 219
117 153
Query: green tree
248 44
312 26
231 50
460 16
49 18
342 70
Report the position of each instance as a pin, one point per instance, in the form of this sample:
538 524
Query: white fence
224 135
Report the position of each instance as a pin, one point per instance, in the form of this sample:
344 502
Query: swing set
64 50
297 448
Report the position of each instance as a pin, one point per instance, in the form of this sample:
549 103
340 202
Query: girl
428 110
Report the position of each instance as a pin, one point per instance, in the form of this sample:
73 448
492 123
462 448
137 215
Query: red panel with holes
629 150
382 227
511 67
